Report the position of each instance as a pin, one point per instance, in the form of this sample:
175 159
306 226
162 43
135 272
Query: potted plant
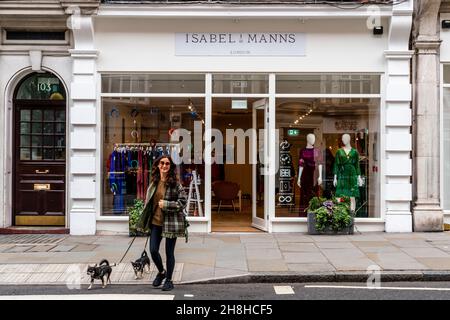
330 216
134 213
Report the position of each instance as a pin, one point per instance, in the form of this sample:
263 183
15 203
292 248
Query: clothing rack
165 148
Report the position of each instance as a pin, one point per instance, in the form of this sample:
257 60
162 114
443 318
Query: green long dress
346 168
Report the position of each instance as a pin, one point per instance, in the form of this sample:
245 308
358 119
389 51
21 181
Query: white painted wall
149 45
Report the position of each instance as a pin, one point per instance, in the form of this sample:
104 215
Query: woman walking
163 216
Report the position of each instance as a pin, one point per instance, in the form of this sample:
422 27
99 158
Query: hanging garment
140 176
145 171
131 174
346 168
117 182
309 160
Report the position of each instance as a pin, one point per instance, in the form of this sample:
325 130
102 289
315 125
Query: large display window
136 131
327 147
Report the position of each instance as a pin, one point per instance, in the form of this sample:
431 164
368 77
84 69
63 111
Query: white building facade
129 74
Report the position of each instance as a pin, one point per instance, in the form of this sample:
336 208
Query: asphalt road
253 291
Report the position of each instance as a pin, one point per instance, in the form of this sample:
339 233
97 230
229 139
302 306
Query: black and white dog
140 264
101 272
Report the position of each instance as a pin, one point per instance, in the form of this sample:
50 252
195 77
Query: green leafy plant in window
134 213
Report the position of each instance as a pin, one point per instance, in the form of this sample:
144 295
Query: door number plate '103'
45 186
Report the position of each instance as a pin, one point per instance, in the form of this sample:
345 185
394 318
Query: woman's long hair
172 178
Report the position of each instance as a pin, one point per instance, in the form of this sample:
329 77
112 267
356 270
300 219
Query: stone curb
385 276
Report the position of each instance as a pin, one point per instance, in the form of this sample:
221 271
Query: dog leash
145 246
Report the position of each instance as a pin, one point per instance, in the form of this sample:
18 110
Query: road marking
188 295
283 290
379 288
91 297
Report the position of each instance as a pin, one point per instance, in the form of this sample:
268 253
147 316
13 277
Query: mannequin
309 172
347 174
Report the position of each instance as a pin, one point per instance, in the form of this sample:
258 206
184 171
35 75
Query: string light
194 112
304 116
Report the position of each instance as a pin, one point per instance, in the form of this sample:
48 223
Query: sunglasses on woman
164 163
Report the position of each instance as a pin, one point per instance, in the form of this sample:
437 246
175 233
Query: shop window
136 131
153 83
311 146
328 84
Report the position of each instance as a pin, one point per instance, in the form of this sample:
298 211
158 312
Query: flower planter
311 219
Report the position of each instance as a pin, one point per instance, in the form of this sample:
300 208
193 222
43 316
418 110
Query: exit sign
293 132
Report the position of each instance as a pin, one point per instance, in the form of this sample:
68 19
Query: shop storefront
265 108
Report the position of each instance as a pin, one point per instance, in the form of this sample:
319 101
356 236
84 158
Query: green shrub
134 213
332 213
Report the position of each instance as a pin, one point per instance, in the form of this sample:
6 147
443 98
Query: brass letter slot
45 186
42 172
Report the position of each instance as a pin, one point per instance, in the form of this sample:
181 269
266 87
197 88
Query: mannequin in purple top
309 172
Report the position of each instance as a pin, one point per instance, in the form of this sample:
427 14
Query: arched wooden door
39 139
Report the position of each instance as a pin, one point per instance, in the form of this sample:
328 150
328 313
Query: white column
427 212
397 123
83 175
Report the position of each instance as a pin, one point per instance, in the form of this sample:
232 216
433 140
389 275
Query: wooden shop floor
229 221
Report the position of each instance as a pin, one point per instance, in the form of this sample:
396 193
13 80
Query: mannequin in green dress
347 175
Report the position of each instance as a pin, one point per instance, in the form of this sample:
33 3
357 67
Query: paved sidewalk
225 257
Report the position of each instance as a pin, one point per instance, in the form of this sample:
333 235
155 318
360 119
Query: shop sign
240 44
239 104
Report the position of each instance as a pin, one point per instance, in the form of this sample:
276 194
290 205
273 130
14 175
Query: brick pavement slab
383 249
52 268
298 247
263 254
266 265
14 278
41 248
40 278
435 263
335 245
205 259
84 247
348 254
329 238
305 257
18 249
357 264
225 272
281 238
5 247
310 267
362 244
396 261
195 272
413 243
425 253
62 248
